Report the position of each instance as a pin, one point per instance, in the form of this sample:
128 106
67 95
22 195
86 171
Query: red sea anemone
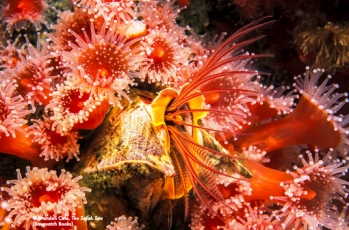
75 109
54 145
33 74
296 199
158 14
41 195
10 54
13 125
315 113
103 63
5 222
124 223
13 137
13 108
111 10
165 56
78 21
254 219
18 14
323 177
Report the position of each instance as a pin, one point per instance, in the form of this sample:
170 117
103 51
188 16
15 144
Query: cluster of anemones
87 65
283 196
215 118
300 199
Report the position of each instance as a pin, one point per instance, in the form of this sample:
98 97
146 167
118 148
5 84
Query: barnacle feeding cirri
153 126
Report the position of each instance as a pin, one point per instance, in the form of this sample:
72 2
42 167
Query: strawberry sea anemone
123 222
19 14
42 195
103 63
74 109
54 145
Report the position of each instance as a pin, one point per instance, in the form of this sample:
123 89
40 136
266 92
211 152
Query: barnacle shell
128 157
131 138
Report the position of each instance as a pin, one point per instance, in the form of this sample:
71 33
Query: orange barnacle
44 197
315 114
181 116
18 14
187 155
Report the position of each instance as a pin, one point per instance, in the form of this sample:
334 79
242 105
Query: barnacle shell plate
127 157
